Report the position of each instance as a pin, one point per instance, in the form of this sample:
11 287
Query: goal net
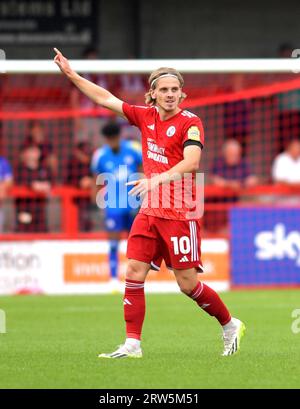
249 111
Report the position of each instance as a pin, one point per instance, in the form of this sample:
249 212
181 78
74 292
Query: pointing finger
57 51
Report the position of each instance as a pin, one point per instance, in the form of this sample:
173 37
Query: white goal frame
283 65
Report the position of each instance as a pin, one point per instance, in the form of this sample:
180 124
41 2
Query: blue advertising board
265 246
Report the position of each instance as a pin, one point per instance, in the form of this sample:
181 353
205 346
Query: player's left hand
142 186
62 62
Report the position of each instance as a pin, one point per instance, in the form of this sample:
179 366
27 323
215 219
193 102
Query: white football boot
232 337
124 351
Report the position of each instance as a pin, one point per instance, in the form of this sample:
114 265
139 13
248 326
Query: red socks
210 302
134 308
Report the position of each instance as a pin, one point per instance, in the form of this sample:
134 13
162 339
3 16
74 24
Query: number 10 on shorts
181 245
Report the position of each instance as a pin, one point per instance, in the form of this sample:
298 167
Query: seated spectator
231 169
6 180
36 136
31 212
286 165
80 175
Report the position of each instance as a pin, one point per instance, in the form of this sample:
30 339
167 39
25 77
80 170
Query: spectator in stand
231 171
6 180
80 175
286 165
32 173
36 136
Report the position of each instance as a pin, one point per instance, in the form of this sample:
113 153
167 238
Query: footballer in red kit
167 226
163 143
172 234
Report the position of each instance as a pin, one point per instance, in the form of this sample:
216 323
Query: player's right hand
143 186
62 62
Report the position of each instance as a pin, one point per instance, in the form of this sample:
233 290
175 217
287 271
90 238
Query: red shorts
178 242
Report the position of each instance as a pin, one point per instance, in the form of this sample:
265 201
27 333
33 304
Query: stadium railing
258 196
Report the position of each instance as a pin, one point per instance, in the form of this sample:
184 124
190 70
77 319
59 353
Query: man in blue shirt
118 159
6 179
231 169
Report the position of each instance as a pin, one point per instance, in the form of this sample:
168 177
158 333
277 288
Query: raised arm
96 93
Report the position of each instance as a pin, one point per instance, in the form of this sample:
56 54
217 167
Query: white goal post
284 65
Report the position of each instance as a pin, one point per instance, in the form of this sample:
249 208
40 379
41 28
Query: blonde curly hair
163 71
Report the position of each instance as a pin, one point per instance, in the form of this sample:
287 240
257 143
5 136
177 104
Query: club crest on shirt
194 133
171 131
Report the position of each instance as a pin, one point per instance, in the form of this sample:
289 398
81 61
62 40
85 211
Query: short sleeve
134 113
193 132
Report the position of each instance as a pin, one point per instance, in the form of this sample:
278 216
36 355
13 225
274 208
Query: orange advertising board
86 268
94 268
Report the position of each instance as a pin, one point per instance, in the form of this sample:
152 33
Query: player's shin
210 302
134 310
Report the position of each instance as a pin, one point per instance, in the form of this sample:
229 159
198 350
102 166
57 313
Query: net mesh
260 111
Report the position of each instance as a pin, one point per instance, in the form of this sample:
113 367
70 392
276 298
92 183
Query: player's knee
134 271
186 287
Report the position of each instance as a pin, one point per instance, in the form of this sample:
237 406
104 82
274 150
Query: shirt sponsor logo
156 153
194 133
157 157
171 131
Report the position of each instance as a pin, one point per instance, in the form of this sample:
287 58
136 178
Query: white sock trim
230 325
133 343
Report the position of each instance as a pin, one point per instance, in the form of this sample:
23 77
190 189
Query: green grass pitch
53 342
